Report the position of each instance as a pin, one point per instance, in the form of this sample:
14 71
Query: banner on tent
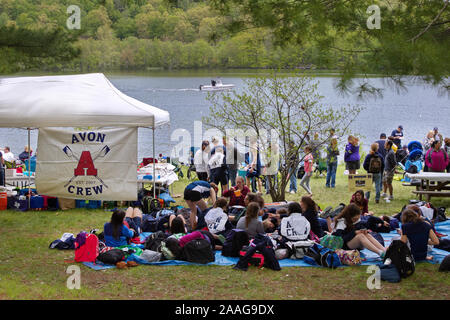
91 164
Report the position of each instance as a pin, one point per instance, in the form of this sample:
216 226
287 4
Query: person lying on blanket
353 231
194 193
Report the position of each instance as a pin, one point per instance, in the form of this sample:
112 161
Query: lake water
418 109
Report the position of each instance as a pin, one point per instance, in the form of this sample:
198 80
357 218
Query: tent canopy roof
72 101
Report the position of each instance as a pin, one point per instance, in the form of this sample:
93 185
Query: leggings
304 183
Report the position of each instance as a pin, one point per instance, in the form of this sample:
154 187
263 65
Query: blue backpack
318 255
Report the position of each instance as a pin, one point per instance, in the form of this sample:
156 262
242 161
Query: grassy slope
29 270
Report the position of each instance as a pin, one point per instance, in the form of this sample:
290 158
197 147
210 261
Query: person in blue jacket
116 232
353 231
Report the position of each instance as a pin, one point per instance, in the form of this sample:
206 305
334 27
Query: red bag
256 260
88 252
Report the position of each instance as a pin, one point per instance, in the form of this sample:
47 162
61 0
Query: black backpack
154 241
149 224
198 251
234 242
112 256
401 257
150 205
375 164
440 216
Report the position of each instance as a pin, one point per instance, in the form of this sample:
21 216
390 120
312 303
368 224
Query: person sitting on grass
116 232
349 226
250 197
250 223
363 204
237 193
294 226
194 193
418 233
216 219
310 210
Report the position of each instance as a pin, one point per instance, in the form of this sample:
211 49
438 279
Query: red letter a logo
85 165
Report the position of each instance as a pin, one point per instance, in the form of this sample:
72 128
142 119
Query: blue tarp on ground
371 258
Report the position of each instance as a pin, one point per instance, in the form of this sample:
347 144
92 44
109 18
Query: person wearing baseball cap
398 135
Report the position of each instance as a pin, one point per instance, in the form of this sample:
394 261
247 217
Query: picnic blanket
370 257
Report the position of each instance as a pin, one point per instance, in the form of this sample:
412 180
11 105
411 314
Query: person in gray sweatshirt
390 163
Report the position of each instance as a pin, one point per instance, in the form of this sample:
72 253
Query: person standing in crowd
218 171
232 159
398 136
351 156
437 136
447 149
436 158
332 163
374 164
2 171
309 163
390 163
429 138
381 143
201 160
254 165
293 163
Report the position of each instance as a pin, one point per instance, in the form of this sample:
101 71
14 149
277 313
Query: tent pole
154 178
29 170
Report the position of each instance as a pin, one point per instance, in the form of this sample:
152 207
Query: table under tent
73 103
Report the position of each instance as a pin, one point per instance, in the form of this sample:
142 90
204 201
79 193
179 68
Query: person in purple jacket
351 156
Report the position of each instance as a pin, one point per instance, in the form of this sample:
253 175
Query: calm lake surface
418 109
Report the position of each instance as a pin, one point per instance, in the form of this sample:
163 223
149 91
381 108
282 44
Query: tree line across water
140 35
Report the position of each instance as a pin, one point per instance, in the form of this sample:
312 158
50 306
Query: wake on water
172 90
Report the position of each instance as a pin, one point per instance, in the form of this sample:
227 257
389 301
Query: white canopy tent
85 100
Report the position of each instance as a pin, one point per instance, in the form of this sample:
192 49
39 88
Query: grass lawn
29 270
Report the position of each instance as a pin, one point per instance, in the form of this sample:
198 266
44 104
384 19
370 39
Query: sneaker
384 195
391 198
326 213
387 200
292 192
377 200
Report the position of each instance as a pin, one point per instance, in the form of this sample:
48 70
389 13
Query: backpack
149 224
150 205
412 169
257 258
332 242
234 242
375 164
111 256
440 216
198 251
318 255
298 249
349 257
400 256
154 241
87 251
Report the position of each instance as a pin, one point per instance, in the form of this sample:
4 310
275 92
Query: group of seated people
354 223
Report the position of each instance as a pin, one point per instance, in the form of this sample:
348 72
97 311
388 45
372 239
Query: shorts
195 196
202 176
388 177
352 165
219 176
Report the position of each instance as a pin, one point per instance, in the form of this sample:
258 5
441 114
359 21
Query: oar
102 153
69 153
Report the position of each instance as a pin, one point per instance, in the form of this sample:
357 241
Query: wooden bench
430 194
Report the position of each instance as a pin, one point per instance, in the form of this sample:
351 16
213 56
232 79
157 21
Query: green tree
278 112
412 39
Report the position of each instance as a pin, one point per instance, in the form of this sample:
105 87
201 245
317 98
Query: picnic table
432 184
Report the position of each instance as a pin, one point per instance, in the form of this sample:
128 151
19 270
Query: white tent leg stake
154 178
